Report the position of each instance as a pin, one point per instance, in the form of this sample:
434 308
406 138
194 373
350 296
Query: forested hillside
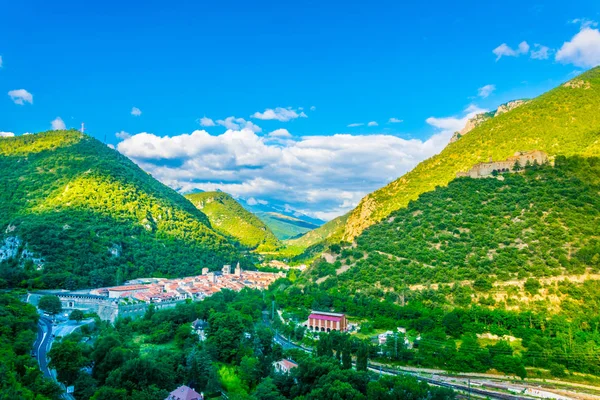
230 218
563 121
75 213
542 222
20 376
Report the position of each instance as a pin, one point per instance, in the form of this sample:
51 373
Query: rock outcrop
479 119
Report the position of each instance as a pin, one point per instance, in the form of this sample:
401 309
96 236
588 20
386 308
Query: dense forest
449 331
75 213
231 219
148 357
20 376
541 222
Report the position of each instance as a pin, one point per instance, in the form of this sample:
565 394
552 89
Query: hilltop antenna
82 127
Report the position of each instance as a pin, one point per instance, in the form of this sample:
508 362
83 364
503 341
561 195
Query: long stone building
485 169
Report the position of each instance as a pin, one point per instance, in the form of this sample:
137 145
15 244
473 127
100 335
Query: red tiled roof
324 317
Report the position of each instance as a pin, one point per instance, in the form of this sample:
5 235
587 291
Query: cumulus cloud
204 121
540 52
136 112
373 123
21 96
280 133
280 114
505 51
58 124
354 125
122 135
313 108
449 125
486 90
583 50
234 124
322 176
6 134
394 120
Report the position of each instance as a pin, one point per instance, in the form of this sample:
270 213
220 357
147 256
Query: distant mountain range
284 223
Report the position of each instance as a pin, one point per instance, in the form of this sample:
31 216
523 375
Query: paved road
41 345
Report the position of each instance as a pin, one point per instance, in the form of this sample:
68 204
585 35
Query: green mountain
285 226
543 222
76 213
564 121
328 232
231 219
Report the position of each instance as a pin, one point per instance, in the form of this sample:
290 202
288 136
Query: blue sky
325 65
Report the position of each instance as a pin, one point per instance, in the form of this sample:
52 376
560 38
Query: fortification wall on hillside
483 170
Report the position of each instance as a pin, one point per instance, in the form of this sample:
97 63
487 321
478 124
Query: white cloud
122 135
583 50
6 134
280 114
505 51
354 125
205 121
395 120
111 146
21 96
234 124
486 90
281 133
373 123
313 108
584 23
323 176
0 61
540 52
449 125
58 124
136 112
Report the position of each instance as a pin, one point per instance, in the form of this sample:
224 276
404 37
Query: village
158 290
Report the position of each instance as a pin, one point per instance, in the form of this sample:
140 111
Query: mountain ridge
232 219
82 214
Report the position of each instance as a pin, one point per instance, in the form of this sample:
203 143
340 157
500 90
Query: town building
185 393
320 321
284 366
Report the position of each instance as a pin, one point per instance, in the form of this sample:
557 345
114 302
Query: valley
475 274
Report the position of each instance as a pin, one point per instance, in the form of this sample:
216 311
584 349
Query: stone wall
482 170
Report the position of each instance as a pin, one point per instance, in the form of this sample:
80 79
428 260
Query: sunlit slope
565 121
74 213
230 218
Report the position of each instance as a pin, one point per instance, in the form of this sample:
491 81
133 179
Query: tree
67 358
250 370
267 390
362 357
50 304
517 167
76 315
347 356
